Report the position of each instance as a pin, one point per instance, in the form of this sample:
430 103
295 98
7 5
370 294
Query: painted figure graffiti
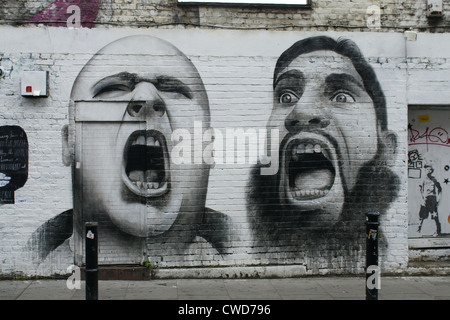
414 164
332 167
431 190
428 154
125 104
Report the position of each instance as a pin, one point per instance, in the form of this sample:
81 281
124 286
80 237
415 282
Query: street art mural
428 172
13 162
137 112
124 111
333 168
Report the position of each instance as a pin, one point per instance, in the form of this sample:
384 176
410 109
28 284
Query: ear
66 151
390 145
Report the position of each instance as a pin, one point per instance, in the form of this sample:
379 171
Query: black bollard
91 261
372 270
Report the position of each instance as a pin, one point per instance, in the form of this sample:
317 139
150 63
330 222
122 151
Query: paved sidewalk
309 288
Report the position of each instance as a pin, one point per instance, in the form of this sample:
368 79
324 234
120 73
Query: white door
429 171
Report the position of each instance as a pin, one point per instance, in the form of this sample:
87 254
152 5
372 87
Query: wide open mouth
146 163
309 169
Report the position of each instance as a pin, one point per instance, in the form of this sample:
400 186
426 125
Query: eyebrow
130 80
295 77
171 84
123 78
336 81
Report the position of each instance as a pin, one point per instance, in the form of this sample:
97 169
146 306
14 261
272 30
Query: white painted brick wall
237 69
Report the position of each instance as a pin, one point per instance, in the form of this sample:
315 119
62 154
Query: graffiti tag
436 136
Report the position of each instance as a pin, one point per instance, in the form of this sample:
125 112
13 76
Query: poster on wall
13 162
428 172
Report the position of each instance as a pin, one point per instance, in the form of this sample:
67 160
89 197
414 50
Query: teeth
140 140
307 148
301 148
309 193
150 141
144 180
146 185
150 185
317 148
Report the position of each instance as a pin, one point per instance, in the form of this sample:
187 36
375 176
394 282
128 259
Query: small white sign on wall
34 83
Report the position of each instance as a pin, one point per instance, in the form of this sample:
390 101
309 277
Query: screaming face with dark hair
330 112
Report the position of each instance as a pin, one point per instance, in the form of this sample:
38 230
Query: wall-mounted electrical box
434 8
34 84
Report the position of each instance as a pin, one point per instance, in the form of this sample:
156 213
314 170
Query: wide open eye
288 97
342 97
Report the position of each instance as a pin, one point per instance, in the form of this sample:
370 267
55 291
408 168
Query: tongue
320 179
147 176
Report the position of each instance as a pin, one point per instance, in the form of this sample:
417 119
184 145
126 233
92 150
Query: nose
306 117
146 102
